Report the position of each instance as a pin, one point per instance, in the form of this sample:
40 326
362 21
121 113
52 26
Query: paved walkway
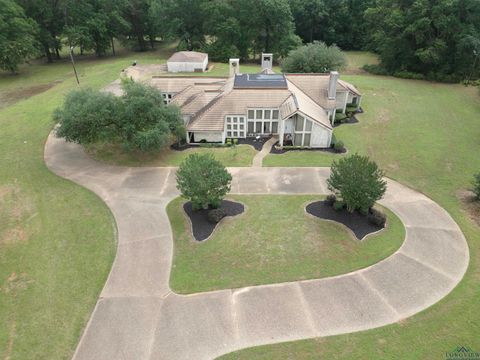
138 317
258 158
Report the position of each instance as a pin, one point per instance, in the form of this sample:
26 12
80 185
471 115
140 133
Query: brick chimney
332 85
267 61
234 66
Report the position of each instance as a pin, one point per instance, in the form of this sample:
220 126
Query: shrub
476 185
315 57
376 69
330 199
215 215
357 181
339 117
203 180
377 217
235 141
339 147
338 205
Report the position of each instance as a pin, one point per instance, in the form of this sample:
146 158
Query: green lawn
425 135
57 240
241 155
273 241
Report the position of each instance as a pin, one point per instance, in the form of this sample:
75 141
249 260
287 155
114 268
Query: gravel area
355 221
201 227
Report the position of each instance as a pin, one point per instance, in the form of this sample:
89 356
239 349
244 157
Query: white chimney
267 60
332 85
234 65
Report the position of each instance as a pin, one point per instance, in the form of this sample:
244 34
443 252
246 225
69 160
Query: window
235 126
167 98
251 126
251 114
267 114
274 127
275 114
298 140
299 124
308 125
266 127
306 139
259 114
258 127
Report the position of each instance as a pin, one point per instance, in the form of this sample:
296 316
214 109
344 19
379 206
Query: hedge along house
298 108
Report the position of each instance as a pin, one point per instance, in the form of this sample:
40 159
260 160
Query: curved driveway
138 317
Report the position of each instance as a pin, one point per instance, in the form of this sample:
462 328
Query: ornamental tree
357 181
203 180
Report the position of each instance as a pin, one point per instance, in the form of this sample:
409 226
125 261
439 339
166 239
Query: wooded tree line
439 39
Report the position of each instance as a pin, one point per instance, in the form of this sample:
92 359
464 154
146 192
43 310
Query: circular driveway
138 317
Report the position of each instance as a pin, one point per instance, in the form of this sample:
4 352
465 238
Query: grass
241 155
356 60
273 241
57 240
424 135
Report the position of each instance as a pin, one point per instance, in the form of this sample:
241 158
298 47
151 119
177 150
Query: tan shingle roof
176 84
236 102
308 107
187 56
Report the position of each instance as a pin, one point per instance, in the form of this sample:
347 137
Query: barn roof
188 56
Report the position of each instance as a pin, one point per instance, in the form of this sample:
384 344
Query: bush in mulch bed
360 224
277 150
347 120
203 221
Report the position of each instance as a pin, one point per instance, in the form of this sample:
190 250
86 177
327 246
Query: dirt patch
16 283
16 211
10 97
470 205
383 115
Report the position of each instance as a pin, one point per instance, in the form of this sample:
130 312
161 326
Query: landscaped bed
358 223
274 241
202 227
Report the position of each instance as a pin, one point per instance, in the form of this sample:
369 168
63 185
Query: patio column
281 132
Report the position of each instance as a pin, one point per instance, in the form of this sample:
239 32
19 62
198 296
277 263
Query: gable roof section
307 106
236 102
187 56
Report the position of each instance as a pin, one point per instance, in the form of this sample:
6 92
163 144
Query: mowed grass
273 241
241 155
425 135
57 240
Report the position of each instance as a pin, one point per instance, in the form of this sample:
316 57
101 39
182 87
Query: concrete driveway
138 317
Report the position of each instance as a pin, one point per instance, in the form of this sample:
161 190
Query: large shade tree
137 120
17 36
314 58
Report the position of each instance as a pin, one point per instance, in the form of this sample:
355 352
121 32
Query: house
187 61
298 108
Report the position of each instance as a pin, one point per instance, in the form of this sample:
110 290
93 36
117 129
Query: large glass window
251 126
308 125
299 124
258 127
275 114
235 126
298 140
259 114
274 127
251 114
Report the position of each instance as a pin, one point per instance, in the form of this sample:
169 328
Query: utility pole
73 64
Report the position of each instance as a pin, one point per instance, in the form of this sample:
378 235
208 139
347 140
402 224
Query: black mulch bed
355 221
201 227
275 150
257 144
181 146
